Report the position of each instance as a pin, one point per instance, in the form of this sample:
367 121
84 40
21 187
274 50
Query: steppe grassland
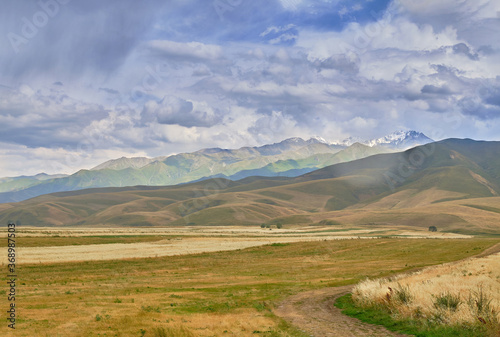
209 294
467 292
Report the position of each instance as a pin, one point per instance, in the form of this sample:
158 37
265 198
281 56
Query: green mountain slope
418 187
170 170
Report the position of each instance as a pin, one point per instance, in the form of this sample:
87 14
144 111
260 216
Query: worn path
314 312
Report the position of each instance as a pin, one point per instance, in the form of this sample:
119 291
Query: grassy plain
211 294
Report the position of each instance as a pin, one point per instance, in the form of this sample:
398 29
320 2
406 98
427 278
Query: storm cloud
91 80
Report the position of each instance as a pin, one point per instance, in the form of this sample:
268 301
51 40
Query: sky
85 81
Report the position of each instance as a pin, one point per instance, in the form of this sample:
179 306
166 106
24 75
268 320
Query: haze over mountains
289 158
452 184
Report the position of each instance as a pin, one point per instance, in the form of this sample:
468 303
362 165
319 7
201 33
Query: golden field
462 293
225 293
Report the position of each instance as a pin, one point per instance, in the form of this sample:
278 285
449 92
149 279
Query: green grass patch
277 244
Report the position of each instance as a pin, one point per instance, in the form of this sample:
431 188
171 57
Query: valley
219 257
49 245
233 293
453 185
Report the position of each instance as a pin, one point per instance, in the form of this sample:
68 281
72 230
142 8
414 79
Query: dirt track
313 312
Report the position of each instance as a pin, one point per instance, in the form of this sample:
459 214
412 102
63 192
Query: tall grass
466 294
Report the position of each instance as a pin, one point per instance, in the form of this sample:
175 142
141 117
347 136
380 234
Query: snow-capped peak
393 138
294 140
319 140
397 140
351 140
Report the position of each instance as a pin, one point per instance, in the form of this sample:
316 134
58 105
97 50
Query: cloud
341 63
174 110
291 5
117 26
162 77
431 89
194 51
462 48
47 119
278 35
109 91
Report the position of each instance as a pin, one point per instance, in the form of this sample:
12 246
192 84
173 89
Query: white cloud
203 82
275 30
291 5
194 50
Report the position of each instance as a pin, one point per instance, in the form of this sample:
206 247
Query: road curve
314 313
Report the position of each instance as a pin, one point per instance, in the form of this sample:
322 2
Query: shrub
480 303
447 301
403 295
433 229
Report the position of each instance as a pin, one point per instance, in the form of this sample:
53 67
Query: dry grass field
463 293
56 245
227 293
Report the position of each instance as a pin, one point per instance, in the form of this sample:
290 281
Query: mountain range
289 158
453 184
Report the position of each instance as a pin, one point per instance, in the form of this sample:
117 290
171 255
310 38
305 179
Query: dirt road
313 312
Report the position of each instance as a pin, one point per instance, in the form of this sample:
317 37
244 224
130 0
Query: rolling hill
291 157
453 184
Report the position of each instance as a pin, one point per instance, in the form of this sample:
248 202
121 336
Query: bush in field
402 294
433 229
447 301
460 299
278 225
480 304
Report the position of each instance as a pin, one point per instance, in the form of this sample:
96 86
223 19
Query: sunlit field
230 293
466 293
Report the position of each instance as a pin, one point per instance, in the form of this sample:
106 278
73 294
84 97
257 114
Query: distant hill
124 163
289 158
453 185
22 182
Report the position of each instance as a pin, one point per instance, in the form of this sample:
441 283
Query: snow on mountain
400 140
349 141
318 139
